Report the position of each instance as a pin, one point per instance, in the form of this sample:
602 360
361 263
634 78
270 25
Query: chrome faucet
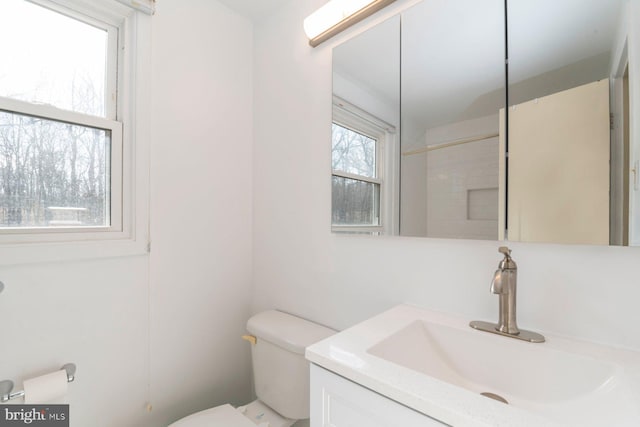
504 284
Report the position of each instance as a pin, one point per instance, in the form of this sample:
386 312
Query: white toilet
280 371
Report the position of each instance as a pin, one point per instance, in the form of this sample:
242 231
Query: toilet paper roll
45 388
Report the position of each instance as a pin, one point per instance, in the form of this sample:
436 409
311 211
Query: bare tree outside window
52 173
353 152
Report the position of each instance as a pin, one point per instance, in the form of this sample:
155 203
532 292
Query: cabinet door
337 402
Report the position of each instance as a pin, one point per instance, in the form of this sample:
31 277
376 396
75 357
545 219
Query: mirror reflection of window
355 182
365 137
362 164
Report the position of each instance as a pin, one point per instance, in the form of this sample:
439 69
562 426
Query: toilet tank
280 371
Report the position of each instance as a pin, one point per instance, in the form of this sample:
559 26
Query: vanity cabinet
338 402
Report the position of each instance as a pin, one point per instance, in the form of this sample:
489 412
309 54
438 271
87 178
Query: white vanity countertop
346 354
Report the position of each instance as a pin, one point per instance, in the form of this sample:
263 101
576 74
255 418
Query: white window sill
31 253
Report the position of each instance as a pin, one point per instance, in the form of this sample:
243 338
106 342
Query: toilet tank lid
287 331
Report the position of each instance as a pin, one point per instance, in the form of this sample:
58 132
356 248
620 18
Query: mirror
453 87
457 163
365 144
568 171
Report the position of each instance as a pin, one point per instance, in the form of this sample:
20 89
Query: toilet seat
255 414
222 416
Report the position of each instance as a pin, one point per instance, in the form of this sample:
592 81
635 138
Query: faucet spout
507 302
496 283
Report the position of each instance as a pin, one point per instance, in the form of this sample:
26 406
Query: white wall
584 291
201 207
92 313
413 203
162 328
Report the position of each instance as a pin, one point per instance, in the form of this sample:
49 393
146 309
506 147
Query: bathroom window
60 140
359 190
66 134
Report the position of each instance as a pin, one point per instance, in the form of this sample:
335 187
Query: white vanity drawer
338 402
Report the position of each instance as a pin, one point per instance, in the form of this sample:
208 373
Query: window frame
47 112
127 118
357 120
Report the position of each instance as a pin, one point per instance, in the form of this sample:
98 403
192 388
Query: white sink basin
520 372
436 364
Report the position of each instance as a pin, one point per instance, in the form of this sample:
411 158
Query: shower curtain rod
450 144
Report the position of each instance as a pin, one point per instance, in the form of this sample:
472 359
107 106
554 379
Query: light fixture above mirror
337 16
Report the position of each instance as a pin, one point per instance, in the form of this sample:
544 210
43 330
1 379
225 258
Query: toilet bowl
280 371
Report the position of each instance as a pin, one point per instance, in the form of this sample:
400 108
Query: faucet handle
507 262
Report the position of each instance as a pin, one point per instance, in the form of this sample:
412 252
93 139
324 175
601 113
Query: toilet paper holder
7 385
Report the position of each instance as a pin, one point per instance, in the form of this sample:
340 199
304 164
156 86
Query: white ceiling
254 9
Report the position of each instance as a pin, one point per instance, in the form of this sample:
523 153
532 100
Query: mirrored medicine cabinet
436 134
